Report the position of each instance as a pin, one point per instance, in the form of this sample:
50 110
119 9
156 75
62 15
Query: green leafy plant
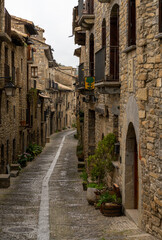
84 176
106 197
79 152
22 159
32 96
34 149
74 125
95 185
101 162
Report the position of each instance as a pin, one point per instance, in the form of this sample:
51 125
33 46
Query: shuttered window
160 16
104 33
131 22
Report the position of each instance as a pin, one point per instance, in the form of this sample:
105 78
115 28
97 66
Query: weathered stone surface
4 180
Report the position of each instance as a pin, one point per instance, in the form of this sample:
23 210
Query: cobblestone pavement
71 218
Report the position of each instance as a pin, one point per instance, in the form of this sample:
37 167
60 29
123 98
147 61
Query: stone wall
134 113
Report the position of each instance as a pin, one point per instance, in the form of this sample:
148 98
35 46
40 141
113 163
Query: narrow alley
62 214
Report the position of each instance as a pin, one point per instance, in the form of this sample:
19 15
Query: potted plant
22 160
101 162
110 205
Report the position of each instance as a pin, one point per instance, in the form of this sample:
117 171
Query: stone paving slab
71 218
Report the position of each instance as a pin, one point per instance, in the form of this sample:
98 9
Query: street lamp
10 89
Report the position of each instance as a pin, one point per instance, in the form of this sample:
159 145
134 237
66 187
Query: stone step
80 169
81 164
15 167
14 173
4 180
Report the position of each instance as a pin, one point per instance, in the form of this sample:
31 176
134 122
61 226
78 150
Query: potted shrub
22 160
110 205
101 162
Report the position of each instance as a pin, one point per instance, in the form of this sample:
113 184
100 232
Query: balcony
107 83
78 31
5 34
86 14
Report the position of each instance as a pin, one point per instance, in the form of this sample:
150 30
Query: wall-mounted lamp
10 89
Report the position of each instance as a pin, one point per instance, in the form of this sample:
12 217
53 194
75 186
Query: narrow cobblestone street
70 216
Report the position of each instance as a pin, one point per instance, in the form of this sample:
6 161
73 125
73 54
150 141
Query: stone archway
131 170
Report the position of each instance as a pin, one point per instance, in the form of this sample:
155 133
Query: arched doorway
131 170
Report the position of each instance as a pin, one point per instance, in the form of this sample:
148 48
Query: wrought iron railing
100 65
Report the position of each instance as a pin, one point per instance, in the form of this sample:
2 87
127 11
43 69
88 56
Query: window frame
131 22
34 71
160 16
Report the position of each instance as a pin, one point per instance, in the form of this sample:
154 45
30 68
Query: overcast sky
55 17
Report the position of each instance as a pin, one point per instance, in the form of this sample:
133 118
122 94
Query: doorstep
132 214
4 180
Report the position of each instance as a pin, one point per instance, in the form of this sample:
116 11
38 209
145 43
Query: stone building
66 78
121 46
13 90
29 94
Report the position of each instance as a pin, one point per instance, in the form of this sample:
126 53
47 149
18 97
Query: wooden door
136 183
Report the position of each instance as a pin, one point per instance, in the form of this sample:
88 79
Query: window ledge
129 49
159 36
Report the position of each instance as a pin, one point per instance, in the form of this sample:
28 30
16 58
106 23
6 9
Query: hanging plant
32 96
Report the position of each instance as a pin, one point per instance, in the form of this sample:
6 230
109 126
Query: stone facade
123 39
29 114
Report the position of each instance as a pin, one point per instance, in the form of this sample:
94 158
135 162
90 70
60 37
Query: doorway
131 170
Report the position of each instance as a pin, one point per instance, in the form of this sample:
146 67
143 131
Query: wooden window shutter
132 23
160 16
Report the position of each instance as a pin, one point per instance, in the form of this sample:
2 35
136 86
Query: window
2 152
0 108
160 16
114 44
21 65
7 150
91 56
35 84
14 150
103 33
7 106
34 71
6 55
14 111
132 22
